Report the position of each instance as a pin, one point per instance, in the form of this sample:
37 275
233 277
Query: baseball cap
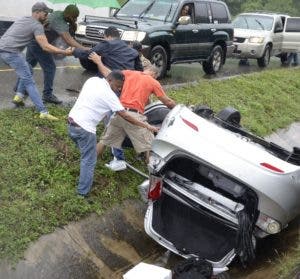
41 7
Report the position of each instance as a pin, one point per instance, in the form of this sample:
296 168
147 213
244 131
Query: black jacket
116 55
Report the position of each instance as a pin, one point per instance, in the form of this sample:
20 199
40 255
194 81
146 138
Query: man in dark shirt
115 53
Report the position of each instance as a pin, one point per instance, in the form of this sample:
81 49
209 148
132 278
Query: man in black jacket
115 53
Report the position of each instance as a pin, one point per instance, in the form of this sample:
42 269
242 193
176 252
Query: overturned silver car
214 187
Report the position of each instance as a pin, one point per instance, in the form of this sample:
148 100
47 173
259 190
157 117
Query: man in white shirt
95 101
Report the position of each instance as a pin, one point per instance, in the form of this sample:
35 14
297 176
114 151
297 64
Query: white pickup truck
260 35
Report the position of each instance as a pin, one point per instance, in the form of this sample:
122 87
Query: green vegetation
40 164
291 7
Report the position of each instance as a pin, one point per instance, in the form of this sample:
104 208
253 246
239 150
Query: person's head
111 33
185 11
40 11
152 71
71 13
137 46
116 79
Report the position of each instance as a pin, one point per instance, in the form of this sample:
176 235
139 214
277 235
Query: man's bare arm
101 67
71 41
167 101
44 44
137 122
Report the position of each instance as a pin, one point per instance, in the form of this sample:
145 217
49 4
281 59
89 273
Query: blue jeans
86 142
35 54
19 64
118 153
293 56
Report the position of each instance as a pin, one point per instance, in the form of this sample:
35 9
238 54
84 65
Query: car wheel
283 58
88 65
159 59
223 275
230 115
215 61
265 59
203 111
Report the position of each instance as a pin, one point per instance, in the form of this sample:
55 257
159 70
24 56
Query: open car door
291 35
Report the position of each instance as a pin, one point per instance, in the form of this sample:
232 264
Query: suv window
157 10
219 13
202 13
292 25
253 22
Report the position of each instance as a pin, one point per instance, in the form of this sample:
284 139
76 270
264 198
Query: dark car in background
205 36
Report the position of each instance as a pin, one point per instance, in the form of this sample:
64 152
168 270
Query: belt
132 110
72 122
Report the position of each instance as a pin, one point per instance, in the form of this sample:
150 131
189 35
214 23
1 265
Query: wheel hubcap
217 60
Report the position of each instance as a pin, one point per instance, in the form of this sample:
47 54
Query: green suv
204 35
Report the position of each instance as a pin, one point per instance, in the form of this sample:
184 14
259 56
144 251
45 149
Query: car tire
230 115
215 61
203 111
88 65
222 275
264 61
284 58
159 58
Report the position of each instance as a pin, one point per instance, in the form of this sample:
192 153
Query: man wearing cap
58 25
16 38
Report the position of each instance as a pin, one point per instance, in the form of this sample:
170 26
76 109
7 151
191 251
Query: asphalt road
70 77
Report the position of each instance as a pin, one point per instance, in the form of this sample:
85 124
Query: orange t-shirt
137 89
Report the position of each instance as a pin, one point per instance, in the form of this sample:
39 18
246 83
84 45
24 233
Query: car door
277 35
291 35
185 38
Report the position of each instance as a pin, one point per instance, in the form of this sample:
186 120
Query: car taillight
271 167
155 189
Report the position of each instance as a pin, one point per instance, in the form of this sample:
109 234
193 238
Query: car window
151 9
292 25
253 22
219 13
201 13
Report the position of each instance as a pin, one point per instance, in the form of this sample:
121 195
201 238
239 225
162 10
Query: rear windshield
151 9
292 25
253 22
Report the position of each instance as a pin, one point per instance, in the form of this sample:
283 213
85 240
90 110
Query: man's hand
153 129
95 58
69 51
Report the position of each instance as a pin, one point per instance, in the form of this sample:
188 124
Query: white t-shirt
95 100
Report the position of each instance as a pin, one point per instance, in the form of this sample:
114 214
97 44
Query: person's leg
86 143
20 90
19 64
47 63
295 58
118 153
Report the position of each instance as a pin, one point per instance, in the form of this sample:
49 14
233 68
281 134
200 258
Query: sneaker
116 165
18 101
52 99
46 115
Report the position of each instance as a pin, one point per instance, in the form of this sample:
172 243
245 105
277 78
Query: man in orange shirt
137 88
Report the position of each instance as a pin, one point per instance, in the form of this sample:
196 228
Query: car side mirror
184 20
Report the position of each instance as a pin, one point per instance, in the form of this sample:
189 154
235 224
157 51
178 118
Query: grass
40 164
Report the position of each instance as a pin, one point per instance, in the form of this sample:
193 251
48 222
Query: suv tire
159 59
215 61
88 65
265 59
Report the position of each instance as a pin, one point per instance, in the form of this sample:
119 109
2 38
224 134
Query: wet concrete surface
107 246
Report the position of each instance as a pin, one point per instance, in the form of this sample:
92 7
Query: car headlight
133 36
268 224
81 29
256 40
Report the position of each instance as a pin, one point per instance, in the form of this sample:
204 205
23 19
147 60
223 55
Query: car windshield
253 22
150 9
